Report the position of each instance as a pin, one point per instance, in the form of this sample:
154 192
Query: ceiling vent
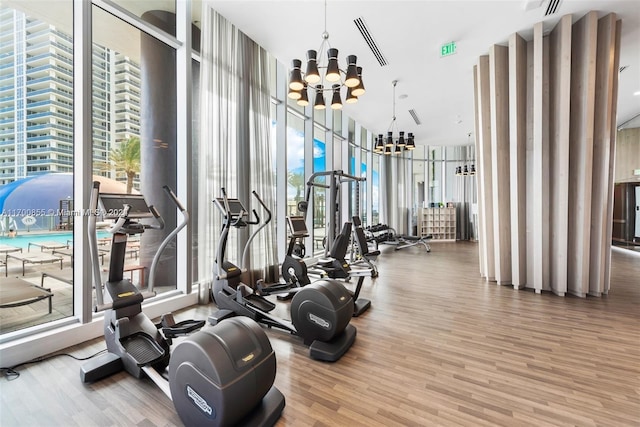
552 7
415 116
368 38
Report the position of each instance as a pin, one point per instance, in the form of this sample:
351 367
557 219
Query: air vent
368 38
624 67
415 116
552 7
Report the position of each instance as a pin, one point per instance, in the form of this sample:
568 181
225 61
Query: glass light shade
387 150
458 170
312 76
401 141
295 78
318 104
333 72
294 94
389 139
351 98
411 145
352 79
359 90
397 150
304 98
473 169
336 102
465 171
379 147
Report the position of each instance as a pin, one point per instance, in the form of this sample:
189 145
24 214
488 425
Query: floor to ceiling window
134 129
363 174
318 203
295 163
36 163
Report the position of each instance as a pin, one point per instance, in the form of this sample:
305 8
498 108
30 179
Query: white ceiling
410 34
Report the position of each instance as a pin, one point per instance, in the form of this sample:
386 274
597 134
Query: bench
131 269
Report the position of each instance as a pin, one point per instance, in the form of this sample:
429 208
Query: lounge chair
37 258
47 246
15 292
64 277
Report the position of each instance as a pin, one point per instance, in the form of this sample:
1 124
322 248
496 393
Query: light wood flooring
439 346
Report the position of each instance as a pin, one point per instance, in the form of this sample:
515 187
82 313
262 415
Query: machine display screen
112 205
235 206
297 225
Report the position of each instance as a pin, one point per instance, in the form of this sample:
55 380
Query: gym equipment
296 269
336 266
335 180
362 253
320 312
383 234
220 376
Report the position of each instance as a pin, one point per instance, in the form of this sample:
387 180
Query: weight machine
335 180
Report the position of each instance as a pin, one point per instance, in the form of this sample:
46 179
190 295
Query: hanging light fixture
395 141
466 169
334 77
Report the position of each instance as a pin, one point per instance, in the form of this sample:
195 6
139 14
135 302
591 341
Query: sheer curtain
234 144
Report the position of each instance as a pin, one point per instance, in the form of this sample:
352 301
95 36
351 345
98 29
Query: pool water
23 238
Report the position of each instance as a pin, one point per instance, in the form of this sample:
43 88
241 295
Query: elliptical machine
320 312
220 376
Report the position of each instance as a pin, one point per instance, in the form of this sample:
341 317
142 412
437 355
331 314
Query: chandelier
466 169
334 78
394 144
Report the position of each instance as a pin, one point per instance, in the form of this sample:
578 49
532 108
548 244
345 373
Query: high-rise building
36 99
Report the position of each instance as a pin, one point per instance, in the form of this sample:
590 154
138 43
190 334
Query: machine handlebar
174 198
264 206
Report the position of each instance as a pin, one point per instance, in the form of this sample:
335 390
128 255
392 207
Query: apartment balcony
50 162
65 151
46 68
44 138
68 120
7 66
43 126
47 103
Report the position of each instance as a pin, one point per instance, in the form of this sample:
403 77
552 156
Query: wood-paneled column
485 169
583 87
499 104
604 137
517 153
540 160
559 124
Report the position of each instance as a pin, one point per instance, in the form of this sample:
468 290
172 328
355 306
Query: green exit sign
447 49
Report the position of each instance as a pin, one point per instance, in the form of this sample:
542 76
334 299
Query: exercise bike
320 312
220 376
335 268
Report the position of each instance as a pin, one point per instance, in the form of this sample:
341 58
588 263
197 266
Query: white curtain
234 144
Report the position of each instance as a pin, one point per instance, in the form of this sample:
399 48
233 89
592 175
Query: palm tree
126 158
296 180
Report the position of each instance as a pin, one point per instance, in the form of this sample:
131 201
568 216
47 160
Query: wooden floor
439 346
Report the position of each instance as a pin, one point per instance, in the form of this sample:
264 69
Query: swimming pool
23 239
